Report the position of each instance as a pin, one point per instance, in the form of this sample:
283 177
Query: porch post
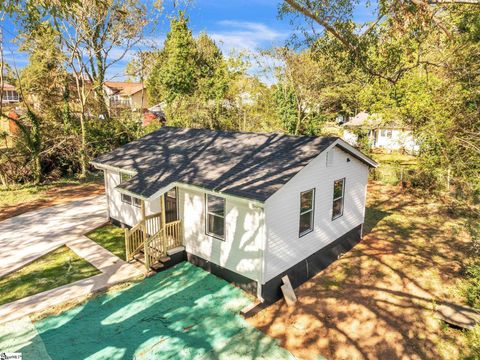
162 209
144 230
144 227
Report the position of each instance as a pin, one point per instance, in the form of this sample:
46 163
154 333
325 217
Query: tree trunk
83 149
37 169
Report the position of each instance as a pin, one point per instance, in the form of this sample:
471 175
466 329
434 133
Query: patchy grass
393 167
111 238
395 157
379 299
18 199
60 267
17 194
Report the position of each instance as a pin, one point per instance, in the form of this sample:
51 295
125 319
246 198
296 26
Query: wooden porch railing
166 239
149 236
135 237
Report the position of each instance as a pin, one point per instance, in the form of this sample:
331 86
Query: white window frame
342 197
311 210
136 202
207 214
128 199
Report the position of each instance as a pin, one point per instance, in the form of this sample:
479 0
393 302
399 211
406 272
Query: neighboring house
389 136
124 95
10 94
248 207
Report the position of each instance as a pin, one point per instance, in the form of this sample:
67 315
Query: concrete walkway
27 237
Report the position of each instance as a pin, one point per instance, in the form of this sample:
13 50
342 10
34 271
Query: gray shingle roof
248 165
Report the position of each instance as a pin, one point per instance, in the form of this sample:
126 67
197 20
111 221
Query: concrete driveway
28 236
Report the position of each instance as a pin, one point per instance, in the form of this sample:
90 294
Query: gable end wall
284 247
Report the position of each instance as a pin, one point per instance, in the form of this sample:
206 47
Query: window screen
215 216
306 212
338 196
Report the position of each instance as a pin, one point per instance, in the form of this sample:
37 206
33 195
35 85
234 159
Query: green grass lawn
111 238
57 268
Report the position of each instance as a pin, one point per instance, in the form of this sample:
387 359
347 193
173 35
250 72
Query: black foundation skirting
175 259
241 281
305 269
118 223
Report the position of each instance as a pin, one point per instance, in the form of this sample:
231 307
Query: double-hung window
307 199
127 198
338 197
215 222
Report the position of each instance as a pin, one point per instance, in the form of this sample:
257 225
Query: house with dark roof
248 207
387 135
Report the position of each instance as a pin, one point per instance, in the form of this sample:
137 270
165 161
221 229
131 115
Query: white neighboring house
389 136
247 207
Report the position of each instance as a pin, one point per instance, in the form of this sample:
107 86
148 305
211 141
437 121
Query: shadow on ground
378 300
181 313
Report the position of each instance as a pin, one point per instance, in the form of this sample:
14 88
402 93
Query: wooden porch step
140 257
157 266
165 259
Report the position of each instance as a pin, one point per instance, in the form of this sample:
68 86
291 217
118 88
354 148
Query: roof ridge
252 132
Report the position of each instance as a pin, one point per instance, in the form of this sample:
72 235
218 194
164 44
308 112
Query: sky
236 25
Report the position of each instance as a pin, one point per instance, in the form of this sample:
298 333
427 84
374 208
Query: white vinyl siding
241 249
283 247
122 211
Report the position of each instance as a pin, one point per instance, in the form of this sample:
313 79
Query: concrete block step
165 259
175 250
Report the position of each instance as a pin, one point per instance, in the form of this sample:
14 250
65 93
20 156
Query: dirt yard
20 200
376 301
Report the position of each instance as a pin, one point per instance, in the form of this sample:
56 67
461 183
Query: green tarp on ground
181 313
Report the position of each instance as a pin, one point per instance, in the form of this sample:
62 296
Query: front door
171 209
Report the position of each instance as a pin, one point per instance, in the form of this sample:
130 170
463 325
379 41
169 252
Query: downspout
263 251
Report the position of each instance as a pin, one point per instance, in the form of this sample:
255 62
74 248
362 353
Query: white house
389 135
248 207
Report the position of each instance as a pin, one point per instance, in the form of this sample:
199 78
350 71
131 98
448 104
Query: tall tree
191 77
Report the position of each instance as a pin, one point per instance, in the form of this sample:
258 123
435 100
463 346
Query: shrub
473 288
